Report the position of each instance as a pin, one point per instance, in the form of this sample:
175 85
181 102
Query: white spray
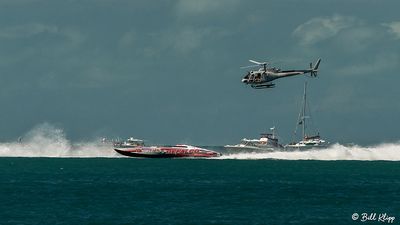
387 151
46 140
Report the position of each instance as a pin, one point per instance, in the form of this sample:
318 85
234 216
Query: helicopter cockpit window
251 77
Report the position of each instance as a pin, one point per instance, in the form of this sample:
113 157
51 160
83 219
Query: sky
169 72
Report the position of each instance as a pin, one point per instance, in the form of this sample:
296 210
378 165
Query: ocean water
193 191
47 179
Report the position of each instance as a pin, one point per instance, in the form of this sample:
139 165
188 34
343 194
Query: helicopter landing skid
263 86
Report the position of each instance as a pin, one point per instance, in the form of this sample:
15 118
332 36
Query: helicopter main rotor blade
244 67
258 63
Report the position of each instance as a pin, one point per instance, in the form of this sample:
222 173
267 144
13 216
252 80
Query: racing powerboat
136 148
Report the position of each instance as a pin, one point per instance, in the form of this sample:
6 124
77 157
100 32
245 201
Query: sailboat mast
303 124
273 131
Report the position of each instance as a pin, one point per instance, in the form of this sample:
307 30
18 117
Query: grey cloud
130 66
358 39
189 39
37 40
127 40
195 7
31 29
26 30
178 41
18 2
381 62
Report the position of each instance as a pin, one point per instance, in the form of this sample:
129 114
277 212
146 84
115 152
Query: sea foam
46 140
385 151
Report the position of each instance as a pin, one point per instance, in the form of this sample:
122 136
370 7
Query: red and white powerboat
136 148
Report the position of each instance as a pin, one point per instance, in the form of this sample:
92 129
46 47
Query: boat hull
166 153
305 147
234 148
146 155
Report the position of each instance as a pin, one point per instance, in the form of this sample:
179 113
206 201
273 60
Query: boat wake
386 151
46 140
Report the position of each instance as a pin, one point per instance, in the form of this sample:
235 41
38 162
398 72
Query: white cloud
394 28
322 28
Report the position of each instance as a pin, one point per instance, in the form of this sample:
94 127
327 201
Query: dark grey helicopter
262 77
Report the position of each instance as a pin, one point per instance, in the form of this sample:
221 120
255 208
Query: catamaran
308 141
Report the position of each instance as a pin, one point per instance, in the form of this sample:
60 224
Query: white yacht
129 143
267 142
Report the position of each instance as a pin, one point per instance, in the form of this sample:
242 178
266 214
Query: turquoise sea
192 191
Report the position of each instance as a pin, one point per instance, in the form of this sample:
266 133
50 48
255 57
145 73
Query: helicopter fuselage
262 77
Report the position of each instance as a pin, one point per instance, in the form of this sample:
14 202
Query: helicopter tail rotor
314 70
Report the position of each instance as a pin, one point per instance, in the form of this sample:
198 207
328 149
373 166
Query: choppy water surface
47 179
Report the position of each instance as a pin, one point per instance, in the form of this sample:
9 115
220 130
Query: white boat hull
243 148
306 147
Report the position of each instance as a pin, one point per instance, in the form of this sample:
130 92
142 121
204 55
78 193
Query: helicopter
261 78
